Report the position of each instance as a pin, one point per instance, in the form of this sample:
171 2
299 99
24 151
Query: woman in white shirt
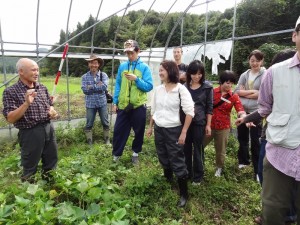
169 132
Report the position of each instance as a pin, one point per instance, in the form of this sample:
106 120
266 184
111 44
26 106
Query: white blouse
165 105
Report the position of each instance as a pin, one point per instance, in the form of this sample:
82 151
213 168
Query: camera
128 108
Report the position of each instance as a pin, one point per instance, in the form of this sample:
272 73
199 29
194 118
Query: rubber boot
168 174
47 176
89 136
106 137
183 190
29 178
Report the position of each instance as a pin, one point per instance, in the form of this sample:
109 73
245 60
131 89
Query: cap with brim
95 57
298 22
130 45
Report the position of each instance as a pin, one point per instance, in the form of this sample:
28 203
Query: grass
91 189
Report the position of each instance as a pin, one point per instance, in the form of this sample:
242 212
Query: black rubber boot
168 174
183 190
47 176
29 178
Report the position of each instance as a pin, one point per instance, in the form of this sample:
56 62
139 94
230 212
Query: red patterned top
221 114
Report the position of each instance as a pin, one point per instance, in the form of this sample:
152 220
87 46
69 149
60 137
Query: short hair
227 75
172 69
19 64
257 54
193 68
283 55
178 47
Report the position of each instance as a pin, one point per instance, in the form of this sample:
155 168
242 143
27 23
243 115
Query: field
90 189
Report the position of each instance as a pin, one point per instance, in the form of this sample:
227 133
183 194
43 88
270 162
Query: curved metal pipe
175 26
205 32
60 45
93 32
67 62
37 30
138 31
154 35
2 52
233 35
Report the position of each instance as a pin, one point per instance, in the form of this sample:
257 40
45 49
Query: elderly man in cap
94 84
279 100
134 80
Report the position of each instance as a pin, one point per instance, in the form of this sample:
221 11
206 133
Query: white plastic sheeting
213 51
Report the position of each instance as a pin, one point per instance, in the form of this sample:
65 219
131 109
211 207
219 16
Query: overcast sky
18 17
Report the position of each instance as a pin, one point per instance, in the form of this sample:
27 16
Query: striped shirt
285 160
94 89
37 112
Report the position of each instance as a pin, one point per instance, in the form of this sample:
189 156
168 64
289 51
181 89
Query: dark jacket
203 99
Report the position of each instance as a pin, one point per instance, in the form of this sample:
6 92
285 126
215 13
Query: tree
253 17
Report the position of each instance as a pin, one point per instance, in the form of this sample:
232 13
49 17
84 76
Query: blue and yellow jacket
133 91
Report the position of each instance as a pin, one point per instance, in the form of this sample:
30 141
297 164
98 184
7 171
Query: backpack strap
222 101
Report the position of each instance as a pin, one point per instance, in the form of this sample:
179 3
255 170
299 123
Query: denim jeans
91 114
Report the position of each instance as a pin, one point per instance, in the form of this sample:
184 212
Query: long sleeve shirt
285 160
165 105
94 89
221 114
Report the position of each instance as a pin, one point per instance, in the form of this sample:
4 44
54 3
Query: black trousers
38 143
243 138
170 153
194 152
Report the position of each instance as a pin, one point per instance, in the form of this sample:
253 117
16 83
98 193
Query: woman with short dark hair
224 101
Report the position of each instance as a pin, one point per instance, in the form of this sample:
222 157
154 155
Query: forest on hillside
252 17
